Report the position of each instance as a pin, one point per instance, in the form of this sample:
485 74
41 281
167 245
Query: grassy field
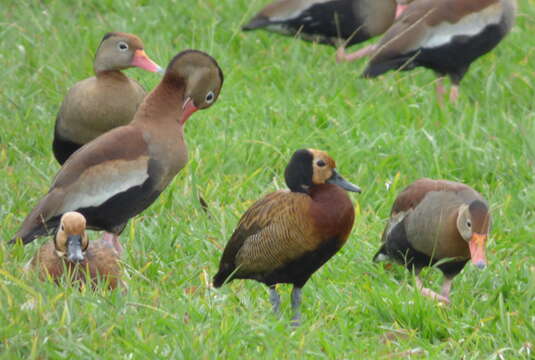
279 95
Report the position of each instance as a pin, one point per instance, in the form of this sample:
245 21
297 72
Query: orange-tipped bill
400 9
187 109
477 250
141 60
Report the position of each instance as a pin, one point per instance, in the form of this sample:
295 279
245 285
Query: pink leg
341 55
430 293
446 287
440 90
454 93
113 239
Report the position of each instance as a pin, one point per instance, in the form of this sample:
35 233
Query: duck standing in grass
445 36
326 21
288 235
122 172
437 221
109 99
71 252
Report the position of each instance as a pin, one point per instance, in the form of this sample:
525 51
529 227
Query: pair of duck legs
274 297
342 56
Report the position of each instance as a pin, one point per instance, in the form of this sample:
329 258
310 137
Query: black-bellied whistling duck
326 21
445 36
122 172
110 99
437 221
72 252
288 235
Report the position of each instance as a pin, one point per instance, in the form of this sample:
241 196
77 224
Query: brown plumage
288 235
445 36
437 221
109 99
72 252
122 172
326 21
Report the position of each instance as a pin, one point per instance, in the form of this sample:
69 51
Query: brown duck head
473 223
118 51
71 241
309 167
198 76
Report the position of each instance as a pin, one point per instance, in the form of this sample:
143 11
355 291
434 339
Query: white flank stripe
296 12
469 25
99 183
381 257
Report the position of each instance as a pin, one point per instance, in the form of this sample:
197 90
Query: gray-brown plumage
288 235
445 36
122 172
437 221
71 252
109 99
326 21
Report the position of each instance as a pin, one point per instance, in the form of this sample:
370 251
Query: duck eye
209 97
469 224
320 163
62 228
122 46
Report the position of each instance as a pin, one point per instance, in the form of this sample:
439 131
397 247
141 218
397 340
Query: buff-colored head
71 240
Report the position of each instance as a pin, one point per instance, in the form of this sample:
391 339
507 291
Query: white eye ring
469 224
209 97
122 46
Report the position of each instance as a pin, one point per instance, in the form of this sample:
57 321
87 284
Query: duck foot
430 293
341 55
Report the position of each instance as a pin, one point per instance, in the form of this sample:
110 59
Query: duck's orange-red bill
187 109
141 60
477 250
400 9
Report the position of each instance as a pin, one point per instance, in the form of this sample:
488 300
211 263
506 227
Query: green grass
279 95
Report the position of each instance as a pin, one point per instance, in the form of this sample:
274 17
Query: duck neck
332 208
110 74
164 104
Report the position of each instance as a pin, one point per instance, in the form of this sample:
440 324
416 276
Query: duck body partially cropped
437 221
444 36
122 172
108 100
71 254
288 235
326 21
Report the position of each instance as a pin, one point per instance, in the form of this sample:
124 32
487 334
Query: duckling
71 251
288 235
437 221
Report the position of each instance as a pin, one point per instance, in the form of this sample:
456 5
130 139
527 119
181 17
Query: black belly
63 148
328 21
398 248
452 59
300 270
